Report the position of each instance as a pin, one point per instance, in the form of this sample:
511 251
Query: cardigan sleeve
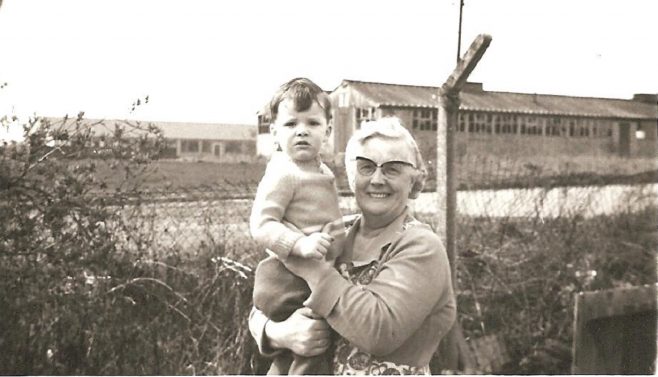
274 193
257 322
379 317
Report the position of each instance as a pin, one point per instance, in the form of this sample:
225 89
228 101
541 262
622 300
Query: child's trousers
278 293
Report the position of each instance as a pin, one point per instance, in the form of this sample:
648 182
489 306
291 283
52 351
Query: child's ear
272 129
330 126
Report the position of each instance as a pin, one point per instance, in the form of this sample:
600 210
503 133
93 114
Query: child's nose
301 130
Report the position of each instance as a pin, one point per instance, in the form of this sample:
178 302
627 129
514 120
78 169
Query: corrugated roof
427 96
396 94
177 130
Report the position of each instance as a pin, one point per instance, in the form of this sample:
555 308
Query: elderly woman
389 297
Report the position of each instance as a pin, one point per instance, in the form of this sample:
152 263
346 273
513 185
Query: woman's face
378 195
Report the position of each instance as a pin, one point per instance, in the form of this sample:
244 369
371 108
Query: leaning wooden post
446 183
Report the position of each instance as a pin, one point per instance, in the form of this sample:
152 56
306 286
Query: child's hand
315 246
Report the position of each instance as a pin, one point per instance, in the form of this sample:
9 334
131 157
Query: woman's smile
379 195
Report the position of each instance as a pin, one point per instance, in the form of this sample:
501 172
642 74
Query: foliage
85 285
517 277
98 276
59 250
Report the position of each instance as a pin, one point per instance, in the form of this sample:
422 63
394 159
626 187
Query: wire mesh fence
167 289
522 253
190 217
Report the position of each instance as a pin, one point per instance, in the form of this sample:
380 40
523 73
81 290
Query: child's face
300 133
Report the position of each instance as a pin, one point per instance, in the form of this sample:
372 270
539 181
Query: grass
175 175
478 172
473 172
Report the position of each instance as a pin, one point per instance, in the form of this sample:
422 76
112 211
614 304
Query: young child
295 212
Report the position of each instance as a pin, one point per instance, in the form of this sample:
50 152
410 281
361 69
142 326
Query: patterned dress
349 360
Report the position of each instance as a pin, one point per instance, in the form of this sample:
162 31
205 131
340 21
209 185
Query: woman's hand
304 333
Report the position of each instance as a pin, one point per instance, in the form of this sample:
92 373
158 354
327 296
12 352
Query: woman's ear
417 183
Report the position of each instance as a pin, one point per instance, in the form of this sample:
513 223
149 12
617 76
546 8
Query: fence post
452 353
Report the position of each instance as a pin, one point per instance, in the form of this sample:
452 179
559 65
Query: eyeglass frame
381 166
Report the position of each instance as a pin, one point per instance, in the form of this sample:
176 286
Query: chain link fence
523 252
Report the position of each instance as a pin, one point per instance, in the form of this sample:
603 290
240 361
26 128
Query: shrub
517 277
59 241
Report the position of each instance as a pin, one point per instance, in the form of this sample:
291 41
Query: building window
572 127
481 123
425 119
342 100
529 126
189 146
582 128
461 120
363 115
263 124
435 118
233 147
205 146
553 127
488 124
506 124
169 149
601 128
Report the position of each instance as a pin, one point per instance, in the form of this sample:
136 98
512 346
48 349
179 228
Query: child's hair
303 92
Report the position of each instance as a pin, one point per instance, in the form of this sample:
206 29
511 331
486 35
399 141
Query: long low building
502 123
209 141
215 142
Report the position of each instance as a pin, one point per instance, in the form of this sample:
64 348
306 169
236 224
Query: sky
220 61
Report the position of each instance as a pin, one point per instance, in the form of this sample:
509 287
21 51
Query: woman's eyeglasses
390 169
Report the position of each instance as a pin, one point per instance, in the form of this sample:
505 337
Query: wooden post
452 351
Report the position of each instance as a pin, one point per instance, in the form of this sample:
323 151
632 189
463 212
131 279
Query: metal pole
459 34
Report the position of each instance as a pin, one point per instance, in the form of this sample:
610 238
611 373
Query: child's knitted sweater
295 199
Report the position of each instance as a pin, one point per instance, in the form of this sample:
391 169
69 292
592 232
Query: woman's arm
382 315
304 333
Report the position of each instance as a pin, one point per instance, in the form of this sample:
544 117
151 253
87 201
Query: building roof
173 130
210 131
476 99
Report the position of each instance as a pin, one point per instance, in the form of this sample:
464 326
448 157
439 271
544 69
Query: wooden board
615 331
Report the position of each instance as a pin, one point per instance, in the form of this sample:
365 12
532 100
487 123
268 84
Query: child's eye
289 124
314 123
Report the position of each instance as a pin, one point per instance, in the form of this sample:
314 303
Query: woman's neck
372 226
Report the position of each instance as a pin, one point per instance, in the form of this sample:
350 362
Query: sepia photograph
293 187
